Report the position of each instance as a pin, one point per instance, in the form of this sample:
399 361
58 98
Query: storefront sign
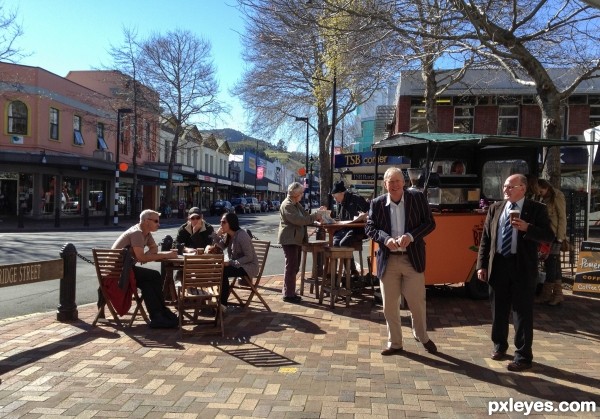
587 279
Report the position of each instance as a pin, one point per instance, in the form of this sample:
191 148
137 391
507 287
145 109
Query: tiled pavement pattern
299 361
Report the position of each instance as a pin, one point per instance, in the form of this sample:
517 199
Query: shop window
594 116
463 120
508 120
54 114
77 137
100 134
17 118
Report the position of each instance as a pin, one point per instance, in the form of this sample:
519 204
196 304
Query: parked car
276 205
240 205
253 204
221 207
264 206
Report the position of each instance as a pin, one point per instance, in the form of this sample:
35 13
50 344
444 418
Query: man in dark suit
398 221
508 261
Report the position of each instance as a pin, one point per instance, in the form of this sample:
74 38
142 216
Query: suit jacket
539 231
418 222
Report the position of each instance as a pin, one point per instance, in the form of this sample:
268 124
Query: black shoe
161 321
498 355
292 299
430 347
392 351
169 314
516 366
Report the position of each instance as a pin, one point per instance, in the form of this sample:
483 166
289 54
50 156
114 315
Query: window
418 122
147 136
495 172
463 120
100 134
508 120
77 137
53 124
594 115
17 118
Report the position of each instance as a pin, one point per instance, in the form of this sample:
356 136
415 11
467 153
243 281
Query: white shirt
397 217
502 220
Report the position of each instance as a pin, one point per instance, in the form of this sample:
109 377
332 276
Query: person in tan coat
292 234
557 212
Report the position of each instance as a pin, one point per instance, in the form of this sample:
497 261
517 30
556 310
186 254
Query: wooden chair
109 264
203 273
251 284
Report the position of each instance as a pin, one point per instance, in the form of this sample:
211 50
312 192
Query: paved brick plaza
299 361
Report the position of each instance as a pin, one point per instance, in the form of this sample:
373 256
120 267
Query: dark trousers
151 284
229 272
349 237
292 254
552 268
511 291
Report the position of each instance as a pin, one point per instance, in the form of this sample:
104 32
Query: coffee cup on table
514 214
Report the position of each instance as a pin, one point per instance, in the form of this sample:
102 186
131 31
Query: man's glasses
156 221
510 188
223 222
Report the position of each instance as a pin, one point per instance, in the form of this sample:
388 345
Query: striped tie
507 232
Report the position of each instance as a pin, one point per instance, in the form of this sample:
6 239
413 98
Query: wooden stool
332 256
358 248
315 248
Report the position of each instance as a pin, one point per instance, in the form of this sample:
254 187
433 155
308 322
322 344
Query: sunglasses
223 222
195 218
156 221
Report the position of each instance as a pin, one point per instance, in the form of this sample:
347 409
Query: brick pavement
299 361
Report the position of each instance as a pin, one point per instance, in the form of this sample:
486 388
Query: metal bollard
57 217
86 217
67 308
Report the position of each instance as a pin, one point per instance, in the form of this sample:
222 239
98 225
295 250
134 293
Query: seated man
348 207
149 281
195 233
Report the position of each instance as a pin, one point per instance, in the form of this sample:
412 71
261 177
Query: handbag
565 246
128 263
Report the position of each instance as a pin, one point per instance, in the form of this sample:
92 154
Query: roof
412 139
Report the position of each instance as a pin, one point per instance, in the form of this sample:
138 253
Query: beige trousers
401 279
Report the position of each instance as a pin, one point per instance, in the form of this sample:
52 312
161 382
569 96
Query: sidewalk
298 361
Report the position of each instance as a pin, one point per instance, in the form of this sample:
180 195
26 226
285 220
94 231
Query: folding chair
109 264
202 273
251 284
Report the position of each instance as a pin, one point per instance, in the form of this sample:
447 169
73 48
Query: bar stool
332 256
315 248
358 247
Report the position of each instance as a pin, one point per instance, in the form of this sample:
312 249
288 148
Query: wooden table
332 228
168 266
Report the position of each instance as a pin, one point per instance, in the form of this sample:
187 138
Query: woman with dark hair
241 257
557 212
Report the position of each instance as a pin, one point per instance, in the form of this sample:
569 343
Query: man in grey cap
195 233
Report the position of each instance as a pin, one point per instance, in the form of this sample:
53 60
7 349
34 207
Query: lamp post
305 119
333 117
117 158
256 170
310 178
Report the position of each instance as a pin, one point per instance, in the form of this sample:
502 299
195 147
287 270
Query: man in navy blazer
398 221
511 266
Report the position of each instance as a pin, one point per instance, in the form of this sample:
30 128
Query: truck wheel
476 289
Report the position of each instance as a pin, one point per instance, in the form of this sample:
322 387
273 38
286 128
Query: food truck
459 198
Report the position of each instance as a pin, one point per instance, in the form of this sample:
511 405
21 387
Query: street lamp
310 180
333 117
305 119
118 168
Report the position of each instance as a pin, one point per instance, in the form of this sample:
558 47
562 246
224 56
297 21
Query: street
44 296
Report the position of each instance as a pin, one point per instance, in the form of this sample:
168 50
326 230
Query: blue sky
64 35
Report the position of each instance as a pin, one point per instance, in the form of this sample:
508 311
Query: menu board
587 279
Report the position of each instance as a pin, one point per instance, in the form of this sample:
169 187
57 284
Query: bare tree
179 67
10 32
296 64
131 93
531 40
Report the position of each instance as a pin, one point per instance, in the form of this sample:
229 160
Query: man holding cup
508 261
